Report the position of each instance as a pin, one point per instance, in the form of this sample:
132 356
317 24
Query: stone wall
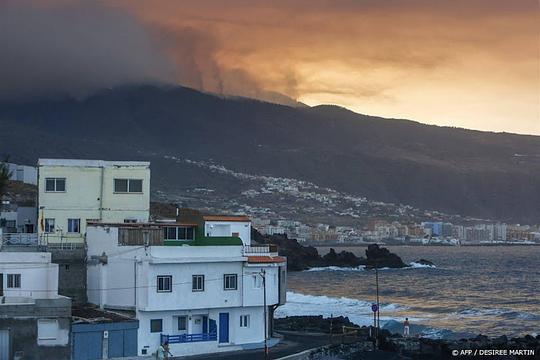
21 321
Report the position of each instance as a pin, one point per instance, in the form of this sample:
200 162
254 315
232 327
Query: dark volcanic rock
300 257
382 257
342 259
416 348
313 324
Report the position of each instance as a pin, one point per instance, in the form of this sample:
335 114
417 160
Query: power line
130 287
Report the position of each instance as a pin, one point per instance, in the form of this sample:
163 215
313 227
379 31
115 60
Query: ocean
471 290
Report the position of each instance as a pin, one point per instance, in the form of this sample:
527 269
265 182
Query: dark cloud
73 49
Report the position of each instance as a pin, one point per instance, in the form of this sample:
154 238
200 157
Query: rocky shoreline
300 257
353 344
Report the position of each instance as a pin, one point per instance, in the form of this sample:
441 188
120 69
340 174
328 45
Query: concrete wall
182 296
22 323
252 295
227 228
71 273
90 194
23 337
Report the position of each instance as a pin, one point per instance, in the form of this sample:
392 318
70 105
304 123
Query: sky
462 63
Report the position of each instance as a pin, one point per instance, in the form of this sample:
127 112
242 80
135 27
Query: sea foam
358 311
412 265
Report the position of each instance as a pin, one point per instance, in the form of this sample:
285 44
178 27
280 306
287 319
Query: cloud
73 49
470 63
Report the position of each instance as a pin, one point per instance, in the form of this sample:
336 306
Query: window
178 233
182 323
55 184
230 281
156 325
236 234
128 186
130 221
244 321
13 280
197 283
49 225
257 281
164 283
74 225
47 329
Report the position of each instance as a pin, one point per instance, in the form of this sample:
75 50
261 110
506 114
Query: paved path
291 344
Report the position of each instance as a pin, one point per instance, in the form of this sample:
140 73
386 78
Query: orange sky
464 63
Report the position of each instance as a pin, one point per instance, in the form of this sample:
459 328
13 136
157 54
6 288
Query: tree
4 176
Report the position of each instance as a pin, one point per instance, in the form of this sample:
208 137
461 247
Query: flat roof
91 163
93 314
266 259
141 225
238 218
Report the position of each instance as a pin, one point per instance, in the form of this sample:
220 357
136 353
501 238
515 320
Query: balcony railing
261 249
38 243
19 239
188 338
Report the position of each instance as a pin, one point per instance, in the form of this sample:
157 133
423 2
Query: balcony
269 249
188 338
33 242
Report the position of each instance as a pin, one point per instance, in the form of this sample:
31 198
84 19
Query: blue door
223 327
87 345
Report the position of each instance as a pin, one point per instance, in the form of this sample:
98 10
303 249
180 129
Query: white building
197 284
24 173
28 275
33 317
70 192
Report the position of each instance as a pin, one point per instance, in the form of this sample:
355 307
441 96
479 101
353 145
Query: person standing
406 327
163 352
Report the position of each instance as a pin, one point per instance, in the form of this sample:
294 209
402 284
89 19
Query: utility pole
378 303
263 275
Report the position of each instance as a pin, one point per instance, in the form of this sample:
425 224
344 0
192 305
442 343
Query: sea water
471 290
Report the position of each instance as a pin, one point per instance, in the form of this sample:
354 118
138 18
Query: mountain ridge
392 160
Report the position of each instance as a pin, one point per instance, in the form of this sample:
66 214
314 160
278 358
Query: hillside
203 146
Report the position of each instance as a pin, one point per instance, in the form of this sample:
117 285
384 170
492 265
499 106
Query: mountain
200 143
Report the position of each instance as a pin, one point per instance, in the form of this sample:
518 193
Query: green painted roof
206 241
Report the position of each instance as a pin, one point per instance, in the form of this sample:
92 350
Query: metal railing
261 249
65 246
186 338
33 240
20 239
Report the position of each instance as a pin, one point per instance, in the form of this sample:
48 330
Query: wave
337 268
412 265
416 265
494 312
358 311
426 331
